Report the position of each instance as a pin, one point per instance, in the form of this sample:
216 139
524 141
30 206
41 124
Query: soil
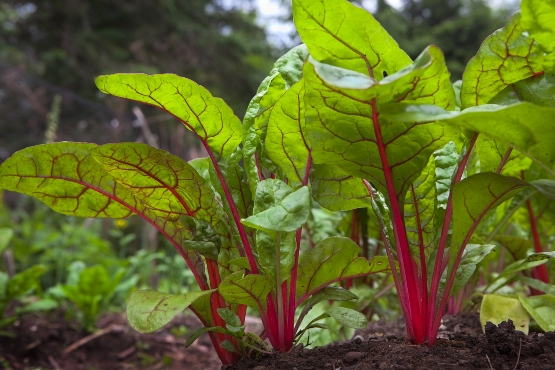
40 343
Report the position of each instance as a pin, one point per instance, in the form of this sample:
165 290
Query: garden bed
41 343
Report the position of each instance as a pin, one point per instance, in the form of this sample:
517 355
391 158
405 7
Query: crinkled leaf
542 309
274 248
505 57
473 197
250 290
149 310
335 190
348 317
285 141
233 323
446 161
496 309
288 215
524 126
209 117
332 260
472 255
286 72
339 33
538 18
540 256
346 128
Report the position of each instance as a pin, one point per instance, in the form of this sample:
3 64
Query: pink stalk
539 272
423 271
410 289
438 268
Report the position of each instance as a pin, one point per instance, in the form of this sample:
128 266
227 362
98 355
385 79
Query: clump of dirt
461 346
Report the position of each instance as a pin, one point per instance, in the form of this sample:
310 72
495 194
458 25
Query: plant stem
438 269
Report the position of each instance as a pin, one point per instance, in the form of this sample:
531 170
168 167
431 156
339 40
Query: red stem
234 212
540 272
423 271
410 288
438 268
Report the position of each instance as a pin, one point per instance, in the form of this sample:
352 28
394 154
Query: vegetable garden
357 175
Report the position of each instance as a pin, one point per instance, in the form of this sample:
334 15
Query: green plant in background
345 121
91 291
17 287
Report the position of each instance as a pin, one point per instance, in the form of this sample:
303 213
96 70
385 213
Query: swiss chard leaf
472 255
209 117
538 18
341 34
542 309
347 130
524 126
148 310
333 259
250 290
505 57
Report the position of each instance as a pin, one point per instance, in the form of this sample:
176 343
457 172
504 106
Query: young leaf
6 235
287 72
24 281
209 117
149 310
286 143
339 33
472 255
332 260
505 57
233 323
473 197
542 309
348 317
250 290
197 333
290 213
540 256
538 285
346 128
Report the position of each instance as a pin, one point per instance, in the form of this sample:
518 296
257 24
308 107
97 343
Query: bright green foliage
149 310
538 18
496 309
473 254
542 309
345 131
91 293
250 290
348 317
505 57
210 118
332 260
522 125
343 35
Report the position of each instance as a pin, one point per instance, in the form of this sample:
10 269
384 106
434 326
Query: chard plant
395 135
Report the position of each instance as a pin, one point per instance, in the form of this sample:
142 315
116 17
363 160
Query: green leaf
24 281
148 310
505 57
472 255
287 72
346 128
539 90
540 256
285 141
473 197
339 33
518 247
209 117
521 125
273 248
331 293
496 309
492 153
197 333
250 290
162 181
348 317
538 18
538 285
542 309
288 215
332 260
233 323
335 190
6 235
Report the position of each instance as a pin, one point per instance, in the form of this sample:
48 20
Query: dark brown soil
40 343
461 346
